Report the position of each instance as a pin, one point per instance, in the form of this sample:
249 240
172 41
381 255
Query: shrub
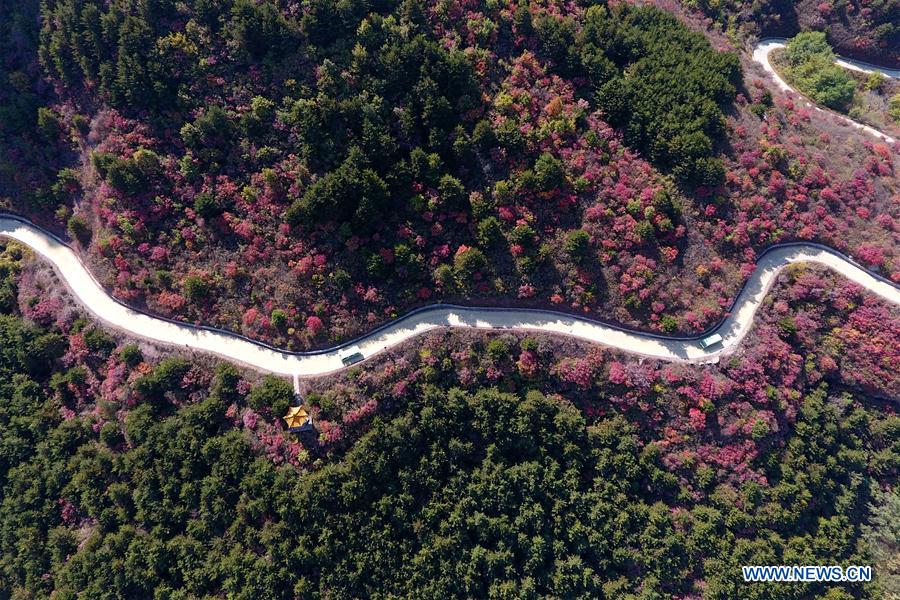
787 325
376 266
196 288
577 244
874 81
644 230
278 318
467 263
668 323
79 229
529 344
894 107
131 355
489 231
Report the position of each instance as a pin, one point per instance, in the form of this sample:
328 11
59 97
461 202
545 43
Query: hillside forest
302 176
300 172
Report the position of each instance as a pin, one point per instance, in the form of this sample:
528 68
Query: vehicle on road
711 340
351 355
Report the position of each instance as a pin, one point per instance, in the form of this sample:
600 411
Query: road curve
765 47
240 349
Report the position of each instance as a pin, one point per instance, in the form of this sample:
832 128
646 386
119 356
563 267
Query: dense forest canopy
668 91
29 158
385 91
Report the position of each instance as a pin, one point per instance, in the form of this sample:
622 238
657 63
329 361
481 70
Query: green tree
826 83
489 231
207 205
210 135
274 394
166 377
41 350
807 45
453 193
467 263
79 229
670 104
258 28
882 535
49 124
131 355
548 173
352 191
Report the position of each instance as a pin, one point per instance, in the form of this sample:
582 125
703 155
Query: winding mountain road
764 48
237 348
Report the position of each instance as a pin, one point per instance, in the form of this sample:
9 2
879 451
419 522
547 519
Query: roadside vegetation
864 29
877 102
807 63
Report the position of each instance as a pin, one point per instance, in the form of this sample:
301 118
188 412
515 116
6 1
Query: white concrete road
236 348
761 55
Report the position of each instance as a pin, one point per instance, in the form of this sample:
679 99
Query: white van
710 341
